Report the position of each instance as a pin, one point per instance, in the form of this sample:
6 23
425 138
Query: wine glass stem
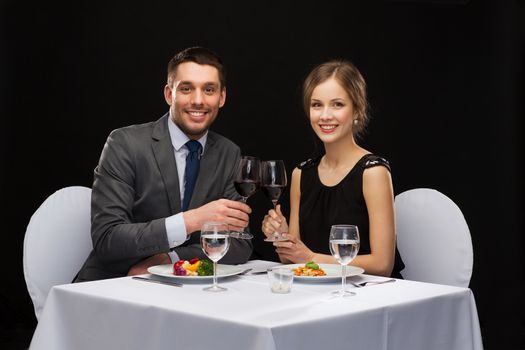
276 233
214 275
243 199
343 278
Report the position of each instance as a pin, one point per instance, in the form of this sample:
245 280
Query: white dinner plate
333 273
222 271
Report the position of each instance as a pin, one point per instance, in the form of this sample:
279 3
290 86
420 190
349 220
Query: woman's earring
356 121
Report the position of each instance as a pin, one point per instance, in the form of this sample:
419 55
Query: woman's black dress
323 206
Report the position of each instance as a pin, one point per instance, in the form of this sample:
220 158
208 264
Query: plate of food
194 270
313 272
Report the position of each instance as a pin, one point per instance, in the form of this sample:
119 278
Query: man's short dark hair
199 55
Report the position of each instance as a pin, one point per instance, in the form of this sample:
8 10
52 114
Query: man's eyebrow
208 83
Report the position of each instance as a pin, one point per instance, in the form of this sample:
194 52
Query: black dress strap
309 163
371 160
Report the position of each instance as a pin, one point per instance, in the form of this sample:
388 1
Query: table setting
127 313
215 237
259 305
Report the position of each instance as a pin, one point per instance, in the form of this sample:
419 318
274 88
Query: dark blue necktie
192 171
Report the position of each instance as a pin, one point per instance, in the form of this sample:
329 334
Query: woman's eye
315 105
338 104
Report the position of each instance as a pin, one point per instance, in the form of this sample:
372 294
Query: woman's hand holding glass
274 224
273 183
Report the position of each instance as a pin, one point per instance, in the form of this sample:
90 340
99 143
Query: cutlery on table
365 283
146 279
252 271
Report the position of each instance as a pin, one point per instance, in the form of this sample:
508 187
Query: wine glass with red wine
273 183
247 181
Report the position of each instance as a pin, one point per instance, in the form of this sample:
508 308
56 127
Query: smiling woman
339 85
347 176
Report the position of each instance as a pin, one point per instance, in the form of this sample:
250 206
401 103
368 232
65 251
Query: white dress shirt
175 226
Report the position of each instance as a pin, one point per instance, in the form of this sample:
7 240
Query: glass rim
279 269
214 223
214 233
345 226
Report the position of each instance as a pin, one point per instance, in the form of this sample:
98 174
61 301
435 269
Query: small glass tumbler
281 280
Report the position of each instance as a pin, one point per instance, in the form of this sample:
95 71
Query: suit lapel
164 155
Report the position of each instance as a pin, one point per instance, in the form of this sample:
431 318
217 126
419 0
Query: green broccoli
312 265
205 268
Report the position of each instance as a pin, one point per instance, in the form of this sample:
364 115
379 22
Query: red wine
246 187
273 192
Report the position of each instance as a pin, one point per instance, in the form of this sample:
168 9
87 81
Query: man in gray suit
137 211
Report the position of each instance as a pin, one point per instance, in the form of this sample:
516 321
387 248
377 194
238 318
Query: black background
446 86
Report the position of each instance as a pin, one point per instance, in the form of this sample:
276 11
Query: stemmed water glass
247 181
344 245
215 242
274 182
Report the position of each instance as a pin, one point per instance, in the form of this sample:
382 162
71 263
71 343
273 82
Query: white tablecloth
128 314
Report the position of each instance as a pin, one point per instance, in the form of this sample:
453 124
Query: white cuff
174 257
176 230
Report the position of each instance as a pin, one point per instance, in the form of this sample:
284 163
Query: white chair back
57 242
433 238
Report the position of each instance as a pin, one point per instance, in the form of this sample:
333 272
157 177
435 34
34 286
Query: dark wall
445 82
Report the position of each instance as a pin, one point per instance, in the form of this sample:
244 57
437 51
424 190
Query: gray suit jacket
136 187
